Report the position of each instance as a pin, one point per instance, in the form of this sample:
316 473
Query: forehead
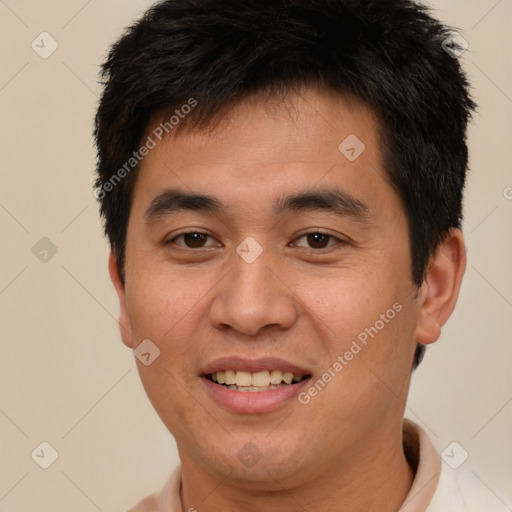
310 113
262 146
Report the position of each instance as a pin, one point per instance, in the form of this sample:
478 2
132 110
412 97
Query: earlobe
124 318
440 289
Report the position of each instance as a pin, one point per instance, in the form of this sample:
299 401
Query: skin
296 301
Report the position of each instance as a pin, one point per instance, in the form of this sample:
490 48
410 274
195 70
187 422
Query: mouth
265 380
253 386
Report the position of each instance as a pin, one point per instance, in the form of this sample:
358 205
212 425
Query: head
327 140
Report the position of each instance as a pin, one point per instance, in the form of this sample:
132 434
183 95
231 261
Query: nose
252 298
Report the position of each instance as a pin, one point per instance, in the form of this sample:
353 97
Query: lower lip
253 402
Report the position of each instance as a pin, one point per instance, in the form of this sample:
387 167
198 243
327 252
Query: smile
253 386
266 380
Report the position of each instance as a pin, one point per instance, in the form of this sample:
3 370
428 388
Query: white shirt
435 488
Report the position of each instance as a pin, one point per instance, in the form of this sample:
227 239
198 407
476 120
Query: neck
374 477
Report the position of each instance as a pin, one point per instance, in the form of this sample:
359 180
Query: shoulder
167 500
463 491
437 487
148 504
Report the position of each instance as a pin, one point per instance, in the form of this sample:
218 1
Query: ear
124 318
440 289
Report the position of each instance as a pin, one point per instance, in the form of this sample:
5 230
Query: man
281 183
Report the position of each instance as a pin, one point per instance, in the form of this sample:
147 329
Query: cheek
345 306
369 322
166 310
161 304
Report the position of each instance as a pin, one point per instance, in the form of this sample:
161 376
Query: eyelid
339 241
188 232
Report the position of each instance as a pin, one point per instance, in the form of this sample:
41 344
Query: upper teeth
259 379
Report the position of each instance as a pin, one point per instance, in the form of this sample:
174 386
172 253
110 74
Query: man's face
279 277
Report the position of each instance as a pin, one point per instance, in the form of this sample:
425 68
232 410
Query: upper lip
252 365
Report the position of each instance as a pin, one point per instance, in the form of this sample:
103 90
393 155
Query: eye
318 240
192 240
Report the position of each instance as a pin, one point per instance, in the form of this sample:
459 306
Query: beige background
65 376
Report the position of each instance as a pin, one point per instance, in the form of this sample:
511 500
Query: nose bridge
251 297
252 281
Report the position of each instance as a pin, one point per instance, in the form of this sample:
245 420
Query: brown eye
194 240
191 240
318 240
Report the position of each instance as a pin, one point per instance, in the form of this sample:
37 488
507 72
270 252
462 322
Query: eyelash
330 237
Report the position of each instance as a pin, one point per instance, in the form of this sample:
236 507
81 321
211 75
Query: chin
259 460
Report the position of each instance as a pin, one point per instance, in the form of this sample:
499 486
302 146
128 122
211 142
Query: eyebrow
334 200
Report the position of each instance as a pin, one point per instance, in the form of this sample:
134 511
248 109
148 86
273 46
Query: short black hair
389 54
